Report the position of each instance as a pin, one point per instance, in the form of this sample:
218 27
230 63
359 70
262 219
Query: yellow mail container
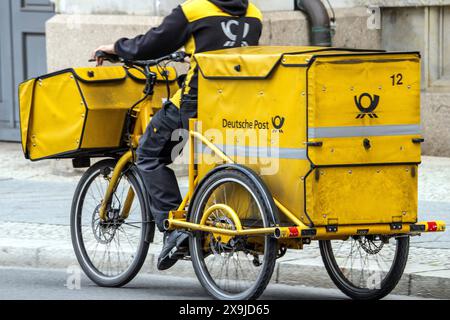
82 112
335 133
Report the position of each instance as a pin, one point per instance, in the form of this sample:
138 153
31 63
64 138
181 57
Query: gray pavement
35 201
40 202
51 284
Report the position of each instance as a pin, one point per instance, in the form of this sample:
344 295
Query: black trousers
157 149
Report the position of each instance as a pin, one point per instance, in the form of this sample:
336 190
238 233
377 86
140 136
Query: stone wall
148 7
425 29
436 123
162 7
72 38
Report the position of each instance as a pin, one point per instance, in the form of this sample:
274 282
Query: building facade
22 54
78 26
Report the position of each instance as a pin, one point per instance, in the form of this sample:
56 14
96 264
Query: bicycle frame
298 230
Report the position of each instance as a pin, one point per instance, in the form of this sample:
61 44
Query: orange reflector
432 226
293 232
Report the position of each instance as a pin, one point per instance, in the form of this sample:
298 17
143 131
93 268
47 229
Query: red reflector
293 232
432 226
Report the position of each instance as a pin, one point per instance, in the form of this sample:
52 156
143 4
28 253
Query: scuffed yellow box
340 128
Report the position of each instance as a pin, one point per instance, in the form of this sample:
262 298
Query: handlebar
144 65
175 57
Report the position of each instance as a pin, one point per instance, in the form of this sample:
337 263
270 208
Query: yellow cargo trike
291 145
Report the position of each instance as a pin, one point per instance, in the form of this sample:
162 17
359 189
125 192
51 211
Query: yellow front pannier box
335 133
81 112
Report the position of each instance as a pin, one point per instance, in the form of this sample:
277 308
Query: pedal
178 254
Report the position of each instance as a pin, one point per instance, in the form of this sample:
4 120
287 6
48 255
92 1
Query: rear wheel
110 252
366 267
232 268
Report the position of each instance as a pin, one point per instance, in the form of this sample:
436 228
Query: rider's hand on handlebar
109 49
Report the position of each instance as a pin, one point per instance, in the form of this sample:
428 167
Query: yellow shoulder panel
254 12
198 9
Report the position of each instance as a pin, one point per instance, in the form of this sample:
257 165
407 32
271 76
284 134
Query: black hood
233 7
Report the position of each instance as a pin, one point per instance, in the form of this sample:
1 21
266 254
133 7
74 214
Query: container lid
259 62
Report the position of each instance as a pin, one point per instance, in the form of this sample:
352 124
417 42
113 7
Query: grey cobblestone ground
34 227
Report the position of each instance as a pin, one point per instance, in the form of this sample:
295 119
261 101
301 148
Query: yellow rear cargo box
337 131
81 112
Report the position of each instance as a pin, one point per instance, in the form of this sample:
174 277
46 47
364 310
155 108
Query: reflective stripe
364 131
256 152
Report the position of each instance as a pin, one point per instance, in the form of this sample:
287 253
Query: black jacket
199 26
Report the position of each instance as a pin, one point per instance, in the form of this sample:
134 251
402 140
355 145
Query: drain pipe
319 19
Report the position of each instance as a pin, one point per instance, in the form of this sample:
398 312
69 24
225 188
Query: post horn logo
367 110
278 122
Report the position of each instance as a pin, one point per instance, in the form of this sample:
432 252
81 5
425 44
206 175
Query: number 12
397 79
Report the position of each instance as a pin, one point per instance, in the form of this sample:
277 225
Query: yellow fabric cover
100 74
253 62
25 97
65 113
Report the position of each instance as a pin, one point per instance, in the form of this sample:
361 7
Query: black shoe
176 247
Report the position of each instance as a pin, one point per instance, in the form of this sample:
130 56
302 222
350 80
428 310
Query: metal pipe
120 166
128 203
319 19
180 224
222 207
227 159
210 145
289 214
192 173
342 232
432 226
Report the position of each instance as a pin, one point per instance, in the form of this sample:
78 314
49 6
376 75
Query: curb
42 254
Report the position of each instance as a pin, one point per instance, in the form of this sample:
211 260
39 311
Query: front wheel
232 268
110 252
366 267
